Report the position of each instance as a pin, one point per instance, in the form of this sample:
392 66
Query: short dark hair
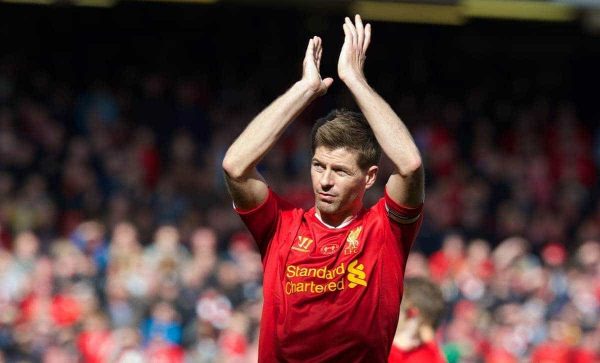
426 296
342 128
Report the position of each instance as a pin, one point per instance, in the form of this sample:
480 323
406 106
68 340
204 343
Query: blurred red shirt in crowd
428 352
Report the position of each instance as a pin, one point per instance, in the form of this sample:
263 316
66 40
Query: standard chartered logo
356 275
319 280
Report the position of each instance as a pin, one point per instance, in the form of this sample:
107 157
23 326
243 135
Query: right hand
311 68
354 50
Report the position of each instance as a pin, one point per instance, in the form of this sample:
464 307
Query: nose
326 179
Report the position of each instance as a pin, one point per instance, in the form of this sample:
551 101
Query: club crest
352 242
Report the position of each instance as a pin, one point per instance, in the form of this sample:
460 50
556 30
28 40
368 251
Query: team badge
352 241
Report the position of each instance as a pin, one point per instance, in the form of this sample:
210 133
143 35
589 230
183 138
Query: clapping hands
351 61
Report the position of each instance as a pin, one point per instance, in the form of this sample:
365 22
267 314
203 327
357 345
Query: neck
335 222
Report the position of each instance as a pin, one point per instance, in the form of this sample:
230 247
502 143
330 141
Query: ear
371 176
412 312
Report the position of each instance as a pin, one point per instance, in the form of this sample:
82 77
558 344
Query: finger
327 82
319 45
319 52
367 40
347 35
360 31
309 50
352 31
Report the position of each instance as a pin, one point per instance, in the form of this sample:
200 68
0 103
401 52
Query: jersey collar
342 225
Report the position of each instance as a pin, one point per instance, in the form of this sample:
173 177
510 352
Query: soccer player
420 314
332 274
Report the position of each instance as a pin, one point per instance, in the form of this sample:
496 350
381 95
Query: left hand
353 54
311 66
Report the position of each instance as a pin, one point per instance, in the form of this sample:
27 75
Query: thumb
328 82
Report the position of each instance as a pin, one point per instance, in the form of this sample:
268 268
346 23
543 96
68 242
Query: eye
317 166
341 172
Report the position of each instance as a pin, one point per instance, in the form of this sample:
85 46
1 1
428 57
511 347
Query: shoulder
273 202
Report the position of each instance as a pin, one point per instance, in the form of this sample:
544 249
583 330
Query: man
332 274
420 314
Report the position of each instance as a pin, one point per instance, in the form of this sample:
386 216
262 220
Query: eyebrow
333 165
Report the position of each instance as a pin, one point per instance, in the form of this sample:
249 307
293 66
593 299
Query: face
408 320
405 313
339 183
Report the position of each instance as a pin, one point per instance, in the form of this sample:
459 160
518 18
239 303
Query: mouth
326 197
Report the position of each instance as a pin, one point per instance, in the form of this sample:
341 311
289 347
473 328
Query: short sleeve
261 221
405 222
402 214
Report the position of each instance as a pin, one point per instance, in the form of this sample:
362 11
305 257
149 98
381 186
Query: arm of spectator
406 185
246 186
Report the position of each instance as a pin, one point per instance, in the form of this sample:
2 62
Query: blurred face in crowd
453 246
408 317
416 265
167 238
164 312
204 241
26 245
125 236
339 183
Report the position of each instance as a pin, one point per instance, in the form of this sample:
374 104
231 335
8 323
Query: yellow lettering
290 271
321 272
312 287
354 273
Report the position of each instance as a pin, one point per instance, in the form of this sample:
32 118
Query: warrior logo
303 244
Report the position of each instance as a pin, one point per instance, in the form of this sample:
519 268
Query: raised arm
406 184
246 186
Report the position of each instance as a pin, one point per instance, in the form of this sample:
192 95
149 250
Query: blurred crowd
118 242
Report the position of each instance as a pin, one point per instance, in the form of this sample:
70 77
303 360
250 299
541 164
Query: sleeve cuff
400 213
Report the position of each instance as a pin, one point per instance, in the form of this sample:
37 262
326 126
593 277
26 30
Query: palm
353 54
311 73
344 63
312 62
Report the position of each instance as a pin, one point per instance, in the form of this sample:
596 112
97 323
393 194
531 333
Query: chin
327 208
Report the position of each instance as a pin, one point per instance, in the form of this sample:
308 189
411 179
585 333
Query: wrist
355 81
306 89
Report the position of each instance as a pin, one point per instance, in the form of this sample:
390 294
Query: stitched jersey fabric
330 294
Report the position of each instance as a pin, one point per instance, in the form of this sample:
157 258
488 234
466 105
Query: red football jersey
428 352
330 294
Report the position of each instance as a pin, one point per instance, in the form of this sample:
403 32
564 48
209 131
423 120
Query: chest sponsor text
319 280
